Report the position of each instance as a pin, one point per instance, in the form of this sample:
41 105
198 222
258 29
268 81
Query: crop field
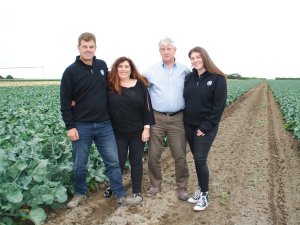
287 94
237 88
17 83
36 155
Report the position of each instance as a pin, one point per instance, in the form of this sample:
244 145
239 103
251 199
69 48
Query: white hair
166 41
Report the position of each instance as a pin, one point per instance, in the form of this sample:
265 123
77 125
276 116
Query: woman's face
197 62
124 70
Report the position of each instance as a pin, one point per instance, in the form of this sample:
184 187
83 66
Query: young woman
131 116
205 94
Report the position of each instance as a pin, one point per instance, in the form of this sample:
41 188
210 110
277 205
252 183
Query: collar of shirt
164 65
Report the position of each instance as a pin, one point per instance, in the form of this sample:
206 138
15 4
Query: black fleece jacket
130 111
205 99
86 85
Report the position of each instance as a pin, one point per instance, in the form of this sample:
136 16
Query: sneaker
154 190
182 193
108 193
202 203
126 200
196 197
138 196
76 201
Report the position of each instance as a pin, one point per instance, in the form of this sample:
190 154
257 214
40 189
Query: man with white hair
166 80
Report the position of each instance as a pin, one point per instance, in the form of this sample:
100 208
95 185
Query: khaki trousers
174 128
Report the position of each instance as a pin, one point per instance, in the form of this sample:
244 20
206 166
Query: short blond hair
86 37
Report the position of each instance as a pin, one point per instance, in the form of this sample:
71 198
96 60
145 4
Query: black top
205 99
130 111
86 85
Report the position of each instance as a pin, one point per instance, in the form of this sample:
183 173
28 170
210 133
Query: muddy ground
253 159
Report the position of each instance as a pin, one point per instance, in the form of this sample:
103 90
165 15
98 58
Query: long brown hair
113 79
207 62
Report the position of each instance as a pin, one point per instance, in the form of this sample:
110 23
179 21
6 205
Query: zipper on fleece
89 69
88 66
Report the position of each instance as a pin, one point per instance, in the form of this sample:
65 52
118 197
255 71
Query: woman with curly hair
131 115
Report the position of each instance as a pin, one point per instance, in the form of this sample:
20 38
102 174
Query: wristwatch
147 126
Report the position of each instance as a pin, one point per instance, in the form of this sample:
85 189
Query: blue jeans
103 136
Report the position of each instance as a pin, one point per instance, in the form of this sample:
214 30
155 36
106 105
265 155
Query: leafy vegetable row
35 155
287 94
237 88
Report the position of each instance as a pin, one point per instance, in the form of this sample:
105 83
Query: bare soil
253 159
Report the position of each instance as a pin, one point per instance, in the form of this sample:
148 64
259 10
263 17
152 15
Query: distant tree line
239 77
234 76
287 78
7 77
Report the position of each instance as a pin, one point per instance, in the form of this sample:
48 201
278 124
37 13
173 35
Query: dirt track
253 159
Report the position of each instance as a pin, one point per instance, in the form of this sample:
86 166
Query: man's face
87 50
167 52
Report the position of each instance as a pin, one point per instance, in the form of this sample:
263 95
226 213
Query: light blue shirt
166 86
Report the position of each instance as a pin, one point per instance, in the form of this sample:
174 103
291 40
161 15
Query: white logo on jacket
209 83
102 72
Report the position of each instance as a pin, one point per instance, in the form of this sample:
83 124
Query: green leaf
36 197
25 181
6 221
36 215
98 174
60 194
56 205
5 207
14 195
13 171
3 161
48 199
21 165
40 171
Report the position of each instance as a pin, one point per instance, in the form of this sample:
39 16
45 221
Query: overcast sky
257 38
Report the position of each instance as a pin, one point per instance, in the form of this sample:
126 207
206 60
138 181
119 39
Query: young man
84 81
166 81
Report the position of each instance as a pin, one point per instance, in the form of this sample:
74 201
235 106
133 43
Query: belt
170 113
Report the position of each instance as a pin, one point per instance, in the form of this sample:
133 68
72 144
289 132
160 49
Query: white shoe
202 203
196 197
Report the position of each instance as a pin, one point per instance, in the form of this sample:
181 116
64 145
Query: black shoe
108 193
